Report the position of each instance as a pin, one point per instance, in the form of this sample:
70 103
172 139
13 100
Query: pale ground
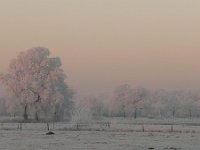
95 140
156 136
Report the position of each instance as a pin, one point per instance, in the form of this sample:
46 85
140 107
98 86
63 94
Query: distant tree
96 107
3 109
158 102
81 113
126 100
190 107
173 103
190 104
136 99
93 104
119 100
35 80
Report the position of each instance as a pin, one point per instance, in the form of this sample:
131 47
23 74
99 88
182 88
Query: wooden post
47 126
77 126
20 126
143 128
172 128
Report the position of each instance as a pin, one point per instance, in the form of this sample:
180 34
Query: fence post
20 126
143 128
48 126
172 128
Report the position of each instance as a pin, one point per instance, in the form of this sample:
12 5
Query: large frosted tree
36 80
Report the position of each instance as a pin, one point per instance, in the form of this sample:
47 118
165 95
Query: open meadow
122 134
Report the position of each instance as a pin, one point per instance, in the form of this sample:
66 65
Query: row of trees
36 84
127 101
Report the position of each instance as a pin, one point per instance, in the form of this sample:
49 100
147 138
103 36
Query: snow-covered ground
97 140
123 134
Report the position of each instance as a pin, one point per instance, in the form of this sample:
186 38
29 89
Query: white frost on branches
35 78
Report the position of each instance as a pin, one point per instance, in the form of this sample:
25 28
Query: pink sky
105 43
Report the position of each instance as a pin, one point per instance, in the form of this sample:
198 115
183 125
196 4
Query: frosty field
94 140
122 135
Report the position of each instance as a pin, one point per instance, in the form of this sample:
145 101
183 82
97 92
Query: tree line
128 101
35 86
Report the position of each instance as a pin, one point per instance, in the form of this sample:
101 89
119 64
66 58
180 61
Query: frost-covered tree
190 104
118 105
93 106
81 112
126 100
137 99
36 80
157 100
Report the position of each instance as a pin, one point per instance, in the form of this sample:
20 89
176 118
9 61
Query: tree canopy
36 80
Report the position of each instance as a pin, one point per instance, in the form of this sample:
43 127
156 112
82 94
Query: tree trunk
55 116
173 113
190 113
135 113
48 126
25 112
36 116
124 114
124 111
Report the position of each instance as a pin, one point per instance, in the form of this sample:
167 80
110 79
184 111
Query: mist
105 44
100 74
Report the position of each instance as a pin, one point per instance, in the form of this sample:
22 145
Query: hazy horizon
102 44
